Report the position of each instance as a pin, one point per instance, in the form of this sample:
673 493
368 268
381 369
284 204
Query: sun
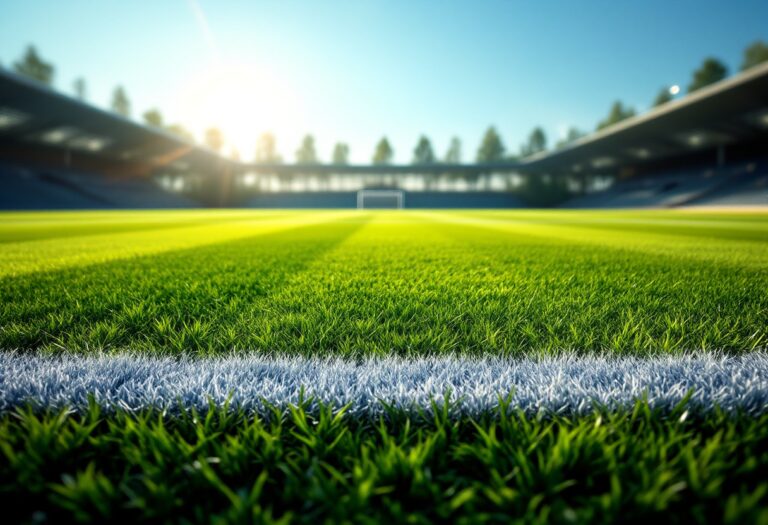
242 102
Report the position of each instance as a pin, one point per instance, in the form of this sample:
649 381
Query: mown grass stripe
19 229
725 249
52 254
755 231
567 384
201 299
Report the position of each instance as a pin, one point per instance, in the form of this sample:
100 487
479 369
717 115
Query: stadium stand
25 189
56 189
316 200
456 199
753 191
414 199
707 148
745 183
60 153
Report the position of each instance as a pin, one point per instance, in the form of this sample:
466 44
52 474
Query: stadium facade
708 148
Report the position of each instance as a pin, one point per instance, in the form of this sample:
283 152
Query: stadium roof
33 115
733 110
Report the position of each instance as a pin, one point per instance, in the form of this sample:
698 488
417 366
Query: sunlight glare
243 103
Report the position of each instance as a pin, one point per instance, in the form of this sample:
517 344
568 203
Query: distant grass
38 226
362 283
325 467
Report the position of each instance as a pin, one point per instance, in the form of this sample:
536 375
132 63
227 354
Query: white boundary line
566 384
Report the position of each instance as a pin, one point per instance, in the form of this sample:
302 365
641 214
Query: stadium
707 149
575 333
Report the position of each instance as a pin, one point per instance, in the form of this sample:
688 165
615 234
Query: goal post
388 199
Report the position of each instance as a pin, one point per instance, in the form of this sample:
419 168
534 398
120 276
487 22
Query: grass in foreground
322 466
363 283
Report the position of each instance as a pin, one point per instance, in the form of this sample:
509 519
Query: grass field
546 290
351 284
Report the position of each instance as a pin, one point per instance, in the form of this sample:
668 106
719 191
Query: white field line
566 384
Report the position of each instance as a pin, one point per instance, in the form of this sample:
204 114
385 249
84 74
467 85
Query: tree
537 142
423 153
153 118
120 103
340 154
181 132
617 114
453 155
711 71
306 153
79 88
266 150
33 66
491 148
214 139
663 97
383 153
572 135
755 54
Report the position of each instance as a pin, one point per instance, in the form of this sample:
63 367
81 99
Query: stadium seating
416 199
311 200
744 183
456 199
31 189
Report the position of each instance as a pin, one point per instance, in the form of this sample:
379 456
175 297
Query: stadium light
10 118
603 162
58 135
696 139
640 153
89 143
761 118
674 90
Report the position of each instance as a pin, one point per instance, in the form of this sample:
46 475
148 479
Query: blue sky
356 70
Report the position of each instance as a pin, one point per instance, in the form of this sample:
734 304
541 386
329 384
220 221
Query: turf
365 283
617 294
226 467
380 283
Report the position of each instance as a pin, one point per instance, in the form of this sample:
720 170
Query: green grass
226 467
362 283
378 283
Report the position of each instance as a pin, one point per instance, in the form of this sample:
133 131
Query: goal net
381 199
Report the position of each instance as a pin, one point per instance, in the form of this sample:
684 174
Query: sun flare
242 102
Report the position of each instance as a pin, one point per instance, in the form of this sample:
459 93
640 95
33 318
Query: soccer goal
380 199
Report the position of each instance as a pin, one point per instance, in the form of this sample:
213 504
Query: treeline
491 149
32 65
